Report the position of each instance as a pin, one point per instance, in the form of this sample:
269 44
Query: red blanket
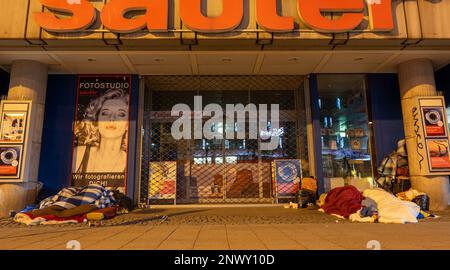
343 201
78 218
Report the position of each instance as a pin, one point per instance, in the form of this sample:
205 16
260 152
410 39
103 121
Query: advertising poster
163 179
100 145
355 143
434 121
430 125
287 177
10 161
438 152
13 127
359 132
350 133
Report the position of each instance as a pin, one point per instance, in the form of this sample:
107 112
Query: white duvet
391 209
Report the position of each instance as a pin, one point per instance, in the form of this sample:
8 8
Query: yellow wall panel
13 17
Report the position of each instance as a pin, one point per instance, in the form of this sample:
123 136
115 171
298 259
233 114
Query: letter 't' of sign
83 16
269 20
156 15
192 17
311 14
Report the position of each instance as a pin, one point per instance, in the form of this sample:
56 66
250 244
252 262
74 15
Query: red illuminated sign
156 15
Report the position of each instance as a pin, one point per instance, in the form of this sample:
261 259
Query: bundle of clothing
419 198
392 167
372 205
72 205
342 201
387 209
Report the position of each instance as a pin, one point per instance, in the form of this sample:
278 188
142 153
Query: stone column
28 82
416 78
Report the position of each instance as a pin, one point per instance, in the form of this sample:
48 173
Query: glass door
345 137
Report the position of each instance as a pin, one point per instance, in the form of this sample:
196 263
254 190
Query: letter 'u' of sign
117 15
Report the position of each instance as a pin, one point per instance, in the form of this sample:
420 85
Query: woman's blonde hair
86 130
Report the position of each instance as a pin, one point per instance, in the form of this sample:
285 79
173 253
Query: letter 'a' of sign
155 19
119 16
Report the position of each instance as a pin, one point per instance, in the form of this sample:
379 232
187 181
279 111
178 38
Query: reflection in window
344 131
448 116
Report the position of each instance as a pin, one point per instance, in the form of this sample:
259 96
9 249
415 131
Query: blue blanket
72 197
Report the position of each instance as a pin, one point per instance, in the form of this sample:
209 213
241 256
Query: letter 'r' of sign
117 15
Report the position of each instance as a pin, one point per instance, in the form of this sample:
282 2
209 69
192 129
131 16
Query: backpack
123 201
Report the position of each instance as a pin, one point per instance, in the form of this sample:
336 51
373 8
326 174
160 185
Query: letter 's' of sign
156 15
231 17
82 16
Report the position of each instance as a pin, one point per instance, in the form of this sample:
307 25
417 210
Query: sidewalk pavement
247 235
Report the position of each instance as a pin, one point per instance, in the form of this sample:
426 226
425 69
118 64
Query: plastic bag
309 183
304 197
423 201
401 185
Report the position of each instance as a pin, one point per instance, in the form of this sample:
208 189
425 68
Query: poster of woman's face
13 126
101 131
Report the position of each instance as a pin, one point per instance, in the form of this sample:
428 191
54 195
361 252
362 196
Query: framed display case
14 130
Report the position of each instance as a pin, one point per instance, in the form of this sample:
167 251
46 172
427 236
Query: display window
180 165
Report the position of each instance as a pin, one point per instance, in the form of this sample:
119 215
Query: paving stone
176 245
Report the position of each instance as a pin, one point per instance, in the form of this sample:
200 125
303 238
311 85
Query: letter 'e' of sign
311 14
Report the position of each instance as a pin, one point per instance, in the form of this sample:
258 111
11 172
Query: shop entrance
193 170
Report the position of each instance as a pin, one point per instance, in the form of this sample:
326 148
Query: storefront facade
342 73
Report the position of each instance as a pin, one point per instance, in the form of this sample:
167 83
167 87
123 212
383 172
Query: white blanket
25 219
391 209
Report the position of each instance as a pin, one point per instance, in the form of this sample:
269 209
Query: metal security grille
218 170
